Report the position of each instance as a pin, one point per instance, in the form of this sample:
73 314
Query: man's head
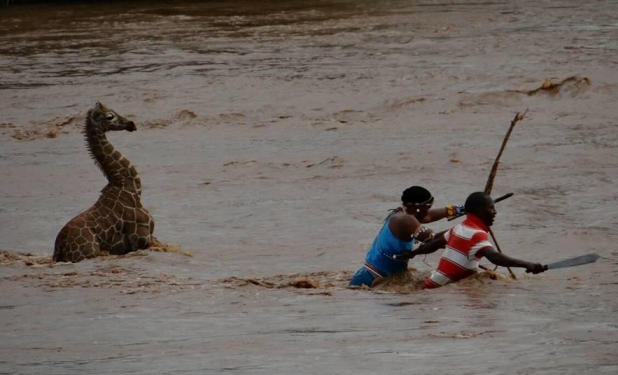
418 200
481 205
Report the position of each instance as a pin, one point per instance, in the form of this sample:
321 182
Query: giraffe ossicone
117 223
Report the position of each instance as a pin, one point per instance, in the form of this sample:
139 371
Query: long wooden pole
494 169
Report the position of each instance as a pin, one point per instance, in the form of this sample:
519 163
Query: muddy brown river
272 139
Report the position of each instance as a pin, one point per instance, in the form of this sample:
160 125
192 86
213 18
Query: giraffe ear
96 111
99 107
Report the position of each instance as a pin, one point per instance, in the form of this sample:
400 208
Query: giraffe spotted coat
117 223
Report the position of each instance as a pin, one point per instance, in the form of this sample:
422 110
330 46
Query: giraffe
117 222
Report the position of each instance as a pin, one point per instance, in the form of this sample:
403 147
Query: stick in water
494 169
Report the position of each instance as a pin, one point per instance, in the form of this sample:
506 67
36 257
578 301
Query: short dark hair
476 202
416 195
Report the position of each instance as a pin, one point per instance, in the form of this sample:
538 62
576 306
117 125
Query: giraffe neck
116 168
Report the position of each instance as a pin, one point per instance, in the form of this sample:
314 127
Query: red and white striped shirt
459 260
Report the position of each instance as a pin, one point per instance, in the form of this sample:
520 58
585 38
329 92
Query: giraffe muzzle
131 126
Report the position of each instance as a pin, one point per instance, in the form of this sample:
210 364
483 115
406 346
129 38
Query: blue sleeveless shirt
384 247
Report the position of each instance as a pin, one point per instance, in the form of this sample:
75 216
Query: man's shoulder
395 217
480 236
473 226
400 217
465 230
397 221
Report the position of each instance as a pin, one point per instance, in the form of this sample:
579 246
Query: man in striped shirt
466 244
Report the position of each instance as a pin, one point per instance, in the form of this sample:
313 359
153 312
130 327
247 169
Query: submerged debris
32 260
162 247
312 280
407 282
8 257
553 88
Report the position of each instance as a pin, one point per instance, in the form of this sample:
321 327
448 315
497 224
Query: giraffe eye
109 116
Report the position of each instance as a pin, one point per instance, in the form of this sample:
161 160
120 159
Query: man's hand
404 255
455 210
535 268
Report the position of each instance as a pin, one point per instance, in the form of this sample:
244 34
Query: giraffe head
105 119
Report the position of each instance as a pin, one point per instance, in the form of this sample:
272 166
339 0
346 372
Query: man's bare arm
436 214
426 248
505 261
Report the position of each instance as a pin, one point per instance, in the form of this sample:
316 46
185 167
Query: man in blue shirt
401 228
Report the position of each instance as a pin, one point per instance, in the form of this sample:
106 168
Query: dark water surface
273 136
